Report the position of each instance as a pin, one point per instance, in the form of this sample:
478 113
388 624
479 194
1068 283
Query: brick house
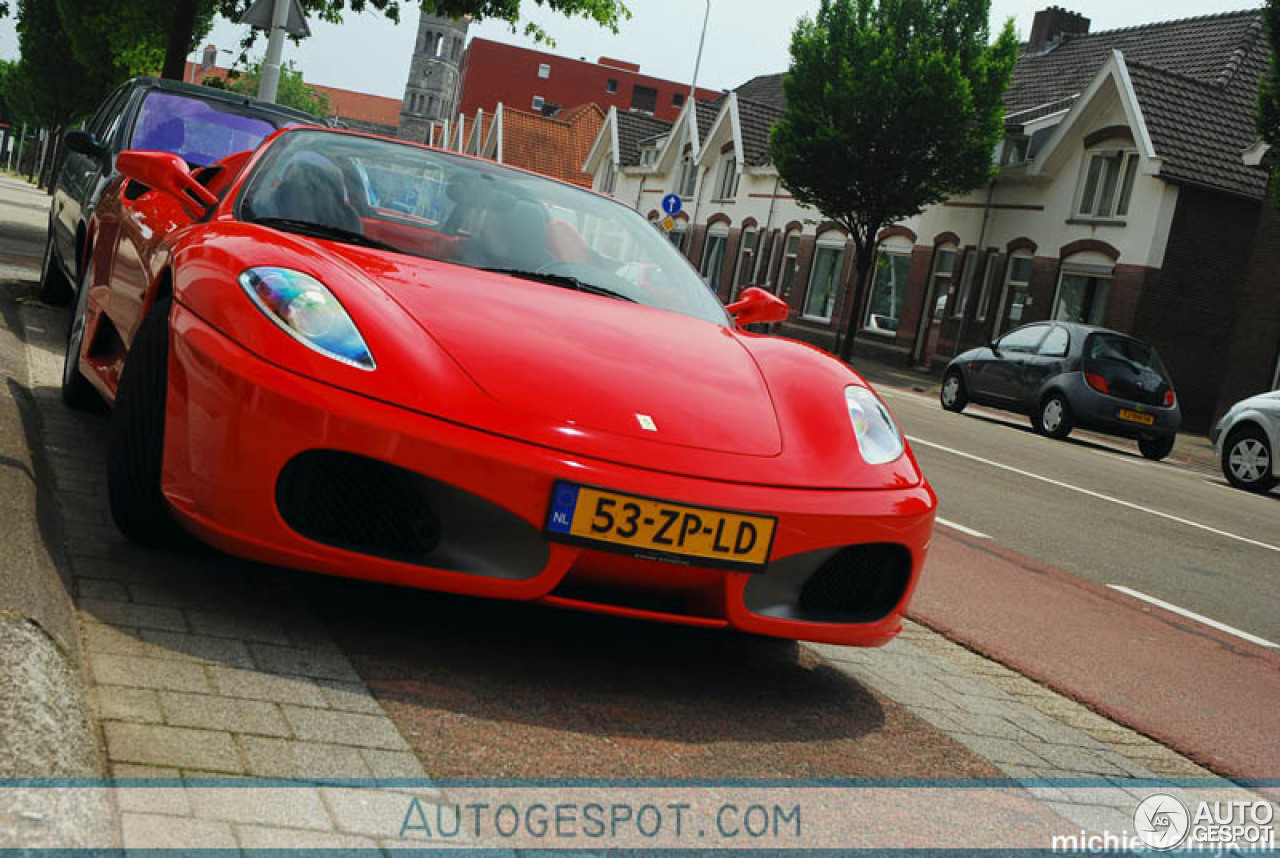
1130 193
552 146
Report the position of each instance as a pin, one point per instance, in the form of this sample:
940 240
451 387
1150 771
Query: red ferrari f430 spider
368 358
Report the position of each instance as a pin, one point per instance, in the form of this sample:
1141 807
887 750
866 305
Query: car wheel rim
1249 460
950 389
1052 417
75 338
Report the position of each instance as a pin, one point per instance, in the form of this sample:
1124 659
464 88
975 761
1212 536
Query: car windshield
422 202
1137 356
201 131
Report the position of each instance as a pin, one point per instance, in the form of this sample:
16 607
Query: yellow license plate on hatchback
647 527
1136 417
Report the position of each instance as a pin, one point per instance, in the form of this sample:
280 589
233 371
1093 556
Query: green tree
892 105
293 91
1269 94
49 86
129 37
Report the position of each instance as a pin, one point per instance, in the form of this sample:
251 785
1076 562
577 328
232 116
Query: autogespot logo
1161 821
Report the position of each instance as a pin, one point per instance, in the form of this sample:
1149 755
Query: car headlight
303 308
879 438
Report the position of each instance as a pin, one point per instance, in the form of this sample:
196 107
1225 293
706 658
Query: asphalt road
1175 533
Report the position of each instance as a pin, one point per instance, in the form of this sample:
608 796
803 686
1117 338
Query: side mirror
755 306
85 143
166 172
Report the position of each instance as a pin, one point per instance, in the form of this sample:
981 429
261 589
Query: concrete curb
46 727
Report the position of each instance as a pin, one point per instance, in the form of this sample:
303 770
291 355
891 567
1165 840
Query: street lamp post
269 84
697 66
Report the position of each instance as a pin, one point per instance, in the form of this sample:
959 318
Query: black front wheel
76 389
1156 449
135 446
954 395
55 288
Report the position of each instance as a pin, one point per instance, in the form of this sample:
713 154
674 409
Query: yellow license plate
645 527
1136 417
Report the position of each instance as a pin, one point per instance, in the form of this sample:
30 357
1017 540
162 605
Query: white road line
1222 627
1097 495
960 527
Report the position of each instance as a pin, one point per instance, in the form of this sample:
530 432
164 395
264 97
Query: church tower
432 91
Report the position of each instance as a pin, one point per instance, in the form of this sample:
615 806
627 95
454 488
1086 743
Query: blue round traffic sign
671 204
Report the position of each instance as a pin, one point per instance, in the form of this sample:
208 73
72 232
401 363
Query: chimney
210 56
1051 24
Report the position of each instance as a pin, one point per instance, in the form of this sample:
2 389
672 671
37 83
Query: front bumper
235 422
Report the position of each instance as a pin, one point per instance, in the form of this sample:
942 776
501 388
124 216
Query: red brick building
539 82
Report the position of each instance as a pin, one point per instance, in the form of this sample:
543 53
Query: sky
745 38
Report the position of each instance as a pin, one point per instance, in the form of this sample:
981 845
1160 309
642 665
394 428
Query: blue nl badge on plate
563 501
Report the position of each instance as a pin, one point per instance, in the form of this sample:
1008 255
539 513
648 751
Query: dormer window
648 156
727 186
1108 183
1014 151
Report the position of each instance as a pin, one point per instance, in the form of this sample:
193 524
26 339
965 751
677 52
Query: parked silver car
1246 439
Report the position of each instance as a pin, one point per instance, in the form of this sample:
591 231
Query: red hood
595 362
522 359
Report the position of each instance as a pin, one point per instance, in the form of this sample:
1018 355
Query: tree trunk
866 265
181 31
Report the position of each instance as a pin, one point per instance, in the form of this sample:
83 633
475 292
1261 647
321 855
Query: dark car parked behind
201 124
1066 375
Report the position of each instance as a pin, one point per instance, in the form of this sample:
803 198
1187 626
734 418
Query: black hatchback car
1066 375
200 123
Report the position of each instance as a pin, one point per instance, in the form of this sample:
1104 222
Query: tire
135 445
954 395
76 389
1156 449
55 288
1248 460
1053 418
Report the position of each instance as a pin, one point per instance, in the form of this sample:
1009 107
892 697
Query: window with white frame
746 259
648 156
713 254
687 182
944 269
1082 296
790 262
544 71
1014 150
1108 183
538 102
768 251
727 185
824 278
1017 288
889 286
678 235
990 272
608 177
960 302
